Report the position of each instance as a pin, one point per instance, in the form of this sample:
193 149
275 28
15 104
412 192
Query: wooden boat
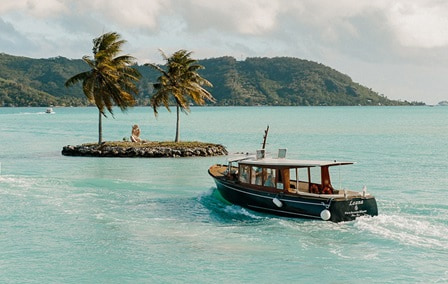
292 188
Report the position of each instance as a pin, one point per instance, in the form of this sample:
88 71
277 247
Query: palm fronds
180 82
111 79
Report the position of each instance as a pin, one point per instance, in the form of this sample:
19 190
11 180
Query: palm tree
180 82
111 78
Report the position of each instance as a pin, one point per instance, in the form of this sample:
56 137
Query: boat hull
289 205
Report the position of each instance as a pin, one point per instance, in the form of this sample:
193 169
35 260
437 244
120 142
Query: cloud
422 24
350 35
417 24
35 8
242 17
134 14
12 41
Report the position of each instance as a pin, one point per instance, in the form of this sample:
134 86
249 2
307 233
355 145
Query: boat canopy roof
276 162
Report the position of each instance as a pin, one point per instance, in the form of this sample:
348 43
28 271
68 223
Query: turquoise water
124 220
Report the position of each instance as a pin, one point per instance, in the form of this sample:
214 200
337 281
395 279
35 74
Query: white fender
277 202
325 215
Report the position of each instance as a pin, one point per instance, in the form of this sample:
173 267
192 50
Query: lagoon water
135 220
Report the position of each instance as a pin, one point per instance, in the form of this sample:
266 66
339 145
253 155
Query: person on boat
256 175
327 190
269 181
318 189
135 134
314 188
244 174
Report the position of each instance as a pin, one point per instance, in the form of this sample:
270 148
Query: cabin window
315 175
269 177
244 174
283 179
256 176
279 181
294 176
304 175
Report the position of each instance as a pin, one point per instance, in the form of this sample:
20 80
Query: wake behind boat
292 188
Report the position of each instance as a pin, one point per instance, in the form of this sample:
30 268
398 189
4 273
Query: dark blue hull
294 205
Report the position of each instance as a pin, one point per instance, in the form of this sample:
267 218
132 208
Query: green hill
255 81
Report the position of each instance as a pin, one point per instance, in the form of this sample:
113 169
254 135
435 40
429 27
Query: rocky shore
146 149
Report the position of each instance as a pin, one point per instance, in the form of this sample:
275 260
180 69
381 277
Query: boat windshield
263 176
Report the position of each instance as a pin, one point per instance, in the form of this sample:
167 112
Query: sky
398 48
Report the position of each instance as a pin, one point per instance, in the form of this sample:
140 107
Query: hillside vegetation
254 81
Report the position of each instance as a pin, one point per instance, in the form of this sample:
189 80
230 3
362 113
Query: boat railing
303 188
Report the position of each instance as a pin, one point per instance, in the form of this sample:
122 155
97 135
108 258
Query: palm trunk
177 125
100 128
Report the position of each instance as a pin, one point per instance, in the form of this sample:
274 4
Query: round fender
277 202
325 215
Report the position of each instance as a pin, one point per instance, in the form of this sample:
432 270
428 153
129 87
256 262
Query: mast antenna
265 137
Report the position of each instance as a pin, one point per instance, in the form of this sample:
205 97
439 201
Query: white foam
237 210
16 182
407 230
228 208
342 252
29 113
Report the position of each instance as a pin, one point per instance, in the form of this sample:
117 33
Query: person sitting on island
135 137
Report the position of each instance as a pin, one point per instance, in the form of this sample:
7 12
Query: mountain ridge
254 81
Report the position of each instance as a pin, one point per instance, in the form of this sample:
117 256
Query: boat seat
292 189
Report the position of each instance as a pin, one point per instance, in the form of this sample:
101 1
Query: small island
145 149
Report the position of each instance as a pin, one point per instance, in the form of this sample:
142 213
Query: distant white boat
49 110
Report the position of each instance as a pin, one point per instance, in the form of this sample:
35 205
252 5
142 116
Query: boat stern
348 210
